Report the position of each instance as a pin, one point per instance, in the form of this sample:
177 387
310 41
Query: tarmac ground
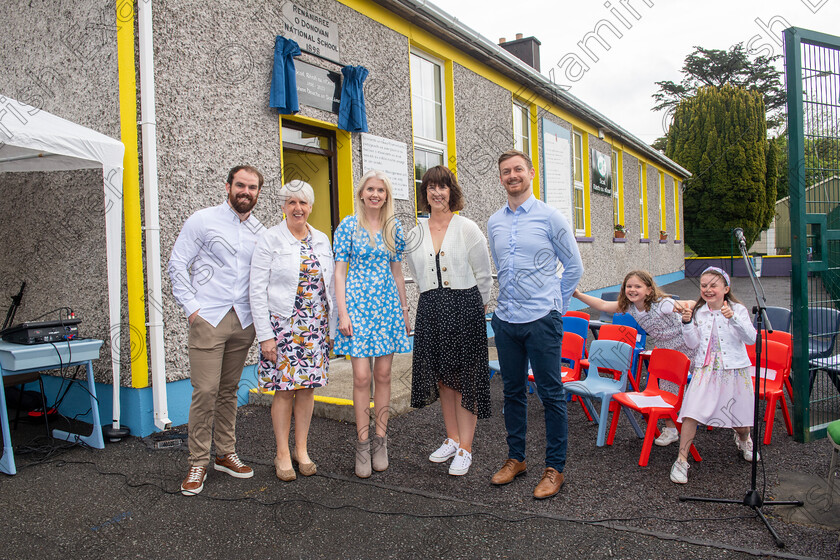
124 501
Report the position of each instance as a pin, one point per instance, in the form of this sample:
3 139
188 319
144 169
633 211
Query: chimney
526 49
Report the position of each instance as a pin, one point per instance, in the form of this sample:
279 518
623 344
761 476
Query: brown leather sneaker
232 465
194 483
549 485
510 470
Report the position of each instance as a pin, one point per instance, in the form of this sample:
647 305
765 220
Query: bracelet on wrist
405 308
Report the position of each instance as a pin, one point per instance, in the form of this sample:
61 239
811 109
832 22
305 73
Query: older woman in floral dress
293 306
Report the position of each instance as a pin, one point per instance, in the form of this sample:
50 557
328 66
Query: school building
194 88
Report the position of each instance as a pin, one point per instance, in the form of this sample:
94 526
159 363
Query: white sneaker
444 452
667 437
746 448
679 472
461 463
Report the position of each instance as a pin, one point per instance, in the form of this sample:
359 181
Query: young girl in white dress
721 392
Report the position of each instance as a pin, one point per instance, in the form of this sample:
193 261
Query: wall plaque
317 87
314 33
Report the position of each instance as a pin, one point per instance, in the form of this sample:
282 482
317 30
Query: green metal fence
812 72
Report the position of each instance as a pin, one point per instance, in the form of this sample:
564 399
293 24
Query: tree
720 135
714 67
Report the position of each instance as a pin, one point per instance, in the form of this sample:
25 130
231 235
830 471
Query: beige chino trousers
217 357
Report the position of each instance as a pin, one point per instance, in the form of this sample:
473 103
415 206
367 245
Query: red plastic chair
571 352
666 365
580 314
787 339
775 363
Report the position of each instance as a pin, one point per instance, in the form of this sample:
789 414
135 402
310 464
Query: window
663 218
522 128
642 201
676 209
579 199
428 114
617 190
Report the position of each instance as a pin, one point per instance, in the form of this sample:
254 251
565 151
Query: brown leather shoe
549 485
510 470
194 483
232 465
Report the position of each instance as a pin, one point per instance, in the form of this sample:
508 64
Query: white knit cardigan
464 258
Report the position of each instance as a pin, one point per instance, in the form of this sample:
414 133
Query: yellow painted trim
643 187
449 93
435 46
344 160
677 229
620 185
318 398
135 281
663 217
535 145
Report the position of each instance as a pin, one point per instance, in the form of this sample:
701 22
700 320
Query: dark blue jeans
538 341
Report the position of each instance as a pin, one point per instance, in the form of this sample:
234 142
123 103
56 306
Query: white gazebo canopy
32 139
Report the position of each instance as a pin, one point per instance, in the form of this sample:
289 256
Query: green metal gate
812 71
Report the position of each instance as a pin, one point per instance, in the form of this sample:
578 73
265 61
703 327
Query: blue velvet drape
283 94
352 115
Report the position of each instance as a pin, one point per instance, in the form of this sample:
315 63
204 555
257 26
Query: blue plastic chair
780 318
578 326
823 325
641 340
608 355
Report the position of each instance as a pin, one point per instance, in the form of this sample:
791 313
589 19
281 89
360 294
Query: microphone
739 235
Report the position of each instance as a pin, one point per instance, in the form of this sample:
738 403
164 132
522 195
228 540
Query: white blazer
275 273
734 334
464 257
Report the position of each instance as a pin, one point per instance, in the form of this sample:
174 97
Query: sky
656 37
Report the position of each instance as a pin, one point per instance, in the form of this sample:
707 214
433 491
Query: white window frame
522 142
578 187
642 201
422 143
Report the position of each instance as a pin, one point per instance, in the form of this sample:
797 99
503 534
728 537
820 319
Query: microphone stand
753 499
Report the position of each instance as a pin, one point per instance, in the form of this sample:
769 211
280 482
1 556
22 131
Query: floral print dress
370 293
303 352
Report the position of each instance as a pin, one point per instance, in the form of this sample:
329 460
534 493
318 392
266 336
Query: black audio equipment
39 332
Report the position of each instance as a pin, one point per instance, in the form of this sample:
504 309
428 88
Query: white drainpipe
152 217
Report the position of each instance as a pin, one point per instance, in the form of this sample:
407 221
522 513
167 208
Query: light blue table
16 359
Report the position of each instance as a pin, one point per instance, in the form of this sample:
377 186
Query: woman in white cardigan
448 257
292 301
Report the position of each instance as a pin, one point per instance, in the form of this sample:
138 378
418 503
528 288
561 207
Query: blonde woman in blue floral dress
373 319
292 301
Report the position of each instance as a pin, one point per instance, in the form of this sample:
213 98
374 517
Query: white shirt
464 258
275 275
210 266
733 334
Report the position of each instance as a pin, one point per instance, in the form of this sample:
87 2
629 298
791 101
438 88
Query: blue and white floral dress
373 302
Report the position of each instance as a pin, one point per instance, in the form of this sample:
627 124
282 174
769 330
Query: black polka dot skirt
450 346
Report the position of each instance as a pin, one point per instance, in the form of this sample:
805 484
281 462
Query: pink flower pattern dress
303 351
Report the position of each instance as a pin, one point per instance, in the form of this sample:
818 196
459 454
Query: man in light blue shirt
529 241
210 269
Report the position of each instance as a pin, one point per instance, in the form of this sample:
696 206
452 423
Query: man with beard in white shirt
210 271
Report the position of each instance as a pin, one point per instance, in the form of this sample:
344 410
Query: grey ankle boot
363 458
379 452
